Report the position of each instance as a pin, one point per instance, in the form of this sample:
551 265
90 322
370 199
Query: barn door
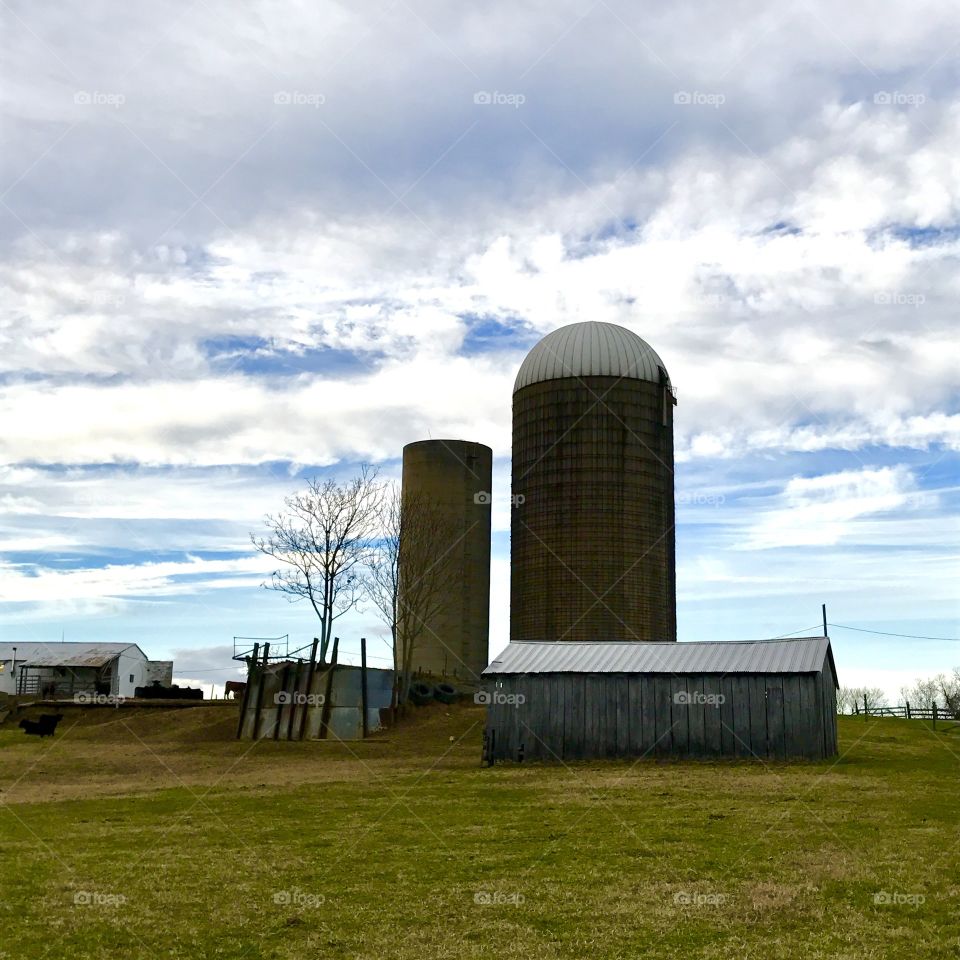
776 741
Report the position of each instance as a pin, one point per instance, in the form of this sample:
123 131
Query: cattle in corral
233 689
156 691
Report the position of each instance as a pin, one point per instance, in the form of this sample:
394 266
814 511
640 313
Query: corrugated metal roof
69 654
798 655
588 349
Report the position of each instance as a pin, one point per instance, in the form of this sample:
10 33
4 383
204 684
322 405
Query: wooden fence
905 711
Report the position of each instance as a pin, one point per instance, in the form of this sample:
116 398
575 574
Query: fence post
363 685
258 704
284 677
908 709
934 714
245 699
326 707
296 693
310 672
866 709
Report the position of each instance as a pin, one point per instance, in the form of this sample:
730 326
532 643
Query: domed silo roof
590 349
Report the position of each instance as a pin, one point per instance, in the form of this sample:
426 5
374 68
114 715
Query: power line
792 632
885 633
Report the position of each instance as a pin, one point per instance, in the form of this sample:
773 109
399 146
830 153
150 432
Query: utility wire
885 633
792 632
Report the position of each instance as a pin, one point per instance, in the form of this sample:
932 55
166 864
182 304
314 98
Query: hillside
276 850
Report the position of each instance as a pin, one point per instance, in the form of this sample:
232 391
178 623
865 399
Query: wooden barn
764 699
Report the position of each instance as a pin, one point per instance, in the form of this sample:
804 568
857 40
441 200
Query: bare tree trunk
322 540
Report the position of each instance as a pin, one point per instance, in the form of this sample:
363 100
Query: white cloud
41 584
161 258
826 509
858 328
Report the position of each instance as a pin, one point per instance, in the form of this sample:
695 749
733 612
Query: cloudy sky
243 244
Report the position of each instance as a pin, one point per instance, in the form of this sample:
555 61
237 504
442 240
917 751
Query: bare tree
383 581
923 693
411 575
951 692
323 538
845 697
851 699
942 689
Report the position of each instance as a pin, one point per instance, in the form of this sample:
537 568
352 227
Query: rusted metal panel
68 654
287 687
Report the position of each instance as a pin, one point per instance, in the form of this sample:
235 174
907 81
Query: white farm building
62 670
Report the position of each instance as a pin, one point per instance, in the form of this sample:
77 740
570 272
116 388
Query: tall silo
592 532
454 477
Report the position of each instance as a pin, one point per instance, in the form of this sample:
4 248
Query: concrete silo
592 533
454 477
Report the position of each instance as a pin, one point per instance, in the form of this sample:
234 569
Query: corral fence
61 688
934 713
291 697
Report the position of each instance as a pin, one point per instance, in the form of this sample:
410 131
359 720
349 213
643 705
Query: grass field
142 834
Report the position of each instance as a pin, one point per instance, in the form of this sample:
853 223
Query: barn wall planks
829 713
588 716
758 716
792 717
713 717
741 717
622 709
285 692
776 736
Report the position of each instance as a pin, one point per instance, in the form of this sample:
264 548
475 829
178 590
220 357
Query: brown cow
234 687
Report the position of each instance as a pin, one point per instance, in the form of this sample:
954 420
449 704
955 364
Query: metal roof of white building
798 655
589 349
68 654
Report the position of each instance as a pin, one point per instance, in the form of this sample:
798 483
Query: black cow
44 727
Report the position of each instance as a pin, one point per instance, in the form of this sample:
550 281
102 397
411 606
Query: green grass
391 848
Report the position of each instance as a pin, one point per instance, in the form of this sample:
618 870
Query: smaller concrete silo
454 478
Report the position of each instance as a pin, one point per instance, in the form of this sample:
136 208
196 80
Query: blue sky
243 246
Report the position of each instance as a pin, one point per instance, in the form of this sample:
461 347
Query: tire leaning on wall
420 693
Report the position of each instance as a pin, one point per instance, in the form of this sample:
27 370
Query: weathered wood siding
279 717
568 716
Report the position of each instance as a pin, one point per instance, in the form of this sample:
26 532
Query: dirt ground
105 751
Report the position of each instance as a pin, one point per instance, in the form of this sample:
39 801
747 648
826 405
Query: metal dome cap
590 349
